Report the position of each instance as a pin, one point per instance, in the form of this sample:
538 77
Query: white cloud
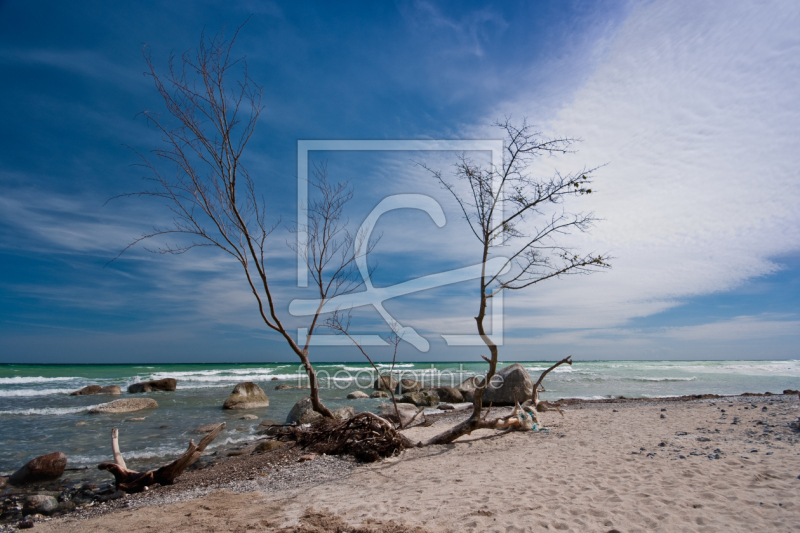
696 111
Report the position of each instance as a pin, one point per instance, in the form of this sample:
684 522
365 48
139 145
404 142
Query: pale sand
580 477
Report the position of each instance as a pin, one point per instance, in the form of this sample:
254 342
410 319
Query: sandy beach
729 464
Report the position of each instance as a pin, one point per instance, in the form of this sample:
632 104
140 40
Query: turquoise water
38 416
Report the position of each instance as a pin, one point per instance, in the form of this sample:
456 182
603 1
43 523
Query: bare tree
213 106
508 203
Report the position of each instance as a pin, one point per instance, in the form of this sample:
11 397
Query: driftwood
531 407
131 481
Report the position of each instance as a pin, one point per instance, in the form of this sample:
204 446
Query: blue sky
692 107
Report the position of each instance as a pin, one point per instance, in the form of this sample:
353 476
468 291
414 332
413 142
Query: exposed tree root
366 436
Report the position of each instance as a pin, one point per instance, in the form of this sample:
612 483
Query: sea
38 416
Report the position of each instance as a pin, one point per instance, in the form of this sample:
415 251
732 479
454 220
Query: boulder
283 386
97 389
467 388
408 385
40 503
406 410
379 394
165 385
267 422
791 391
207 428
303 413
425 398
385 383
450 394
249 417
42 468
246 395
343 413
124 406
268 445
357 395
511 382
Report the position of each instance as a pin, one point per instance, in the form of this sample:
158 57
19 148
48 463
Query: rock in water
97 389
40 503
249 417
408 385
512 382
207 428
42 468
356 395
379 394
166 384
246 395
450 394
124 406
303 413
425 398
385 383
3 482
406 410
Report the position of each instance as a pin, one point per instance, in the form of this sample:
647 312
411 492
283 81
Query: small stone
445 407
40 503
357 395
663 415
268 445
274 379
283 386
307 457
682 457
379 394
249 417
80 424
703 439
663 410
24 524
614 411
163 427
138 419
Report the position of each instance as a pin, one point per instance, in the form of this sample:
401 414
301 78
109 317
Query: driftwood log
131 481
531 407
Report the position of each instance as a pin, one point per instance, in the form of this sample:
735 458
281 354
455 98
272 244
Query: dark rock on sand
450 394
42 468
268 446
343 413
40 503
467 388
207 428
246 395
165 385
124 406
425 398
97 389
385 383
407 412
512 384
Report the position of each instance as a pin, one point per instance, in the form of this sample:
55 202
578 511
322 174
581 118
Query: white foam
38 379
46 411
33 392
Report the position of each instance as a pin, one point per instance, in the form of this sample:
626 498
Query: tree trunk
130 481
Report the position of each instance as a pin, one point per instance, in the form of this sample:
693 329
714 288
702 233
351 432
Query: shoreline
276 473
